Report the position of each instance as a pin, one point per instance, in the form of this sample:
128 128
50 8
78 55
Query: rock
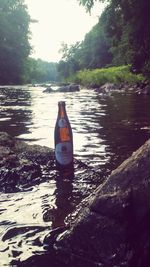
6 140
74 87
48 90
4 151
69 88
138 88
107 87
112 226
23 166
146 90
64 88
143 88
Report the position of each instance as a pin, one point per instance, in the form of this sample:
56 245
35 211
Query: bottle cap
62 103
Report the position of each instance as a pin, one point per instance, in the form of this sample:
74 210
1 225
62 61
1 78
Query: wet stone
6 140
4 151
23 166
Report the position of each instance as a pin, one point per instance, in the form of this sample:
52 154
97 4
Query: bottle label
64 130
64 134
63 153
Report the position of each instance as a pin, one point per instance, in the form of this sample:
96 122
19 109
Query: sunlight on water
44 114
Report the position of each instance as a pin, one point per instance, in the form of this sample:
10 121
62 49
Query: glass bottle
63 139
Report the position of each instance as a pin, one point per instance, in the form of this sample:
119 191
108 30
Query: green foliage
70 60
89 3
14 40
127 24
140 35
92 52
98 77
94 49
117 34
38 71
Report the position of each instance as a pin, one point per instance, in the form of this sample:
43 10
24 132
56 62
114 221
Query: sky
59 21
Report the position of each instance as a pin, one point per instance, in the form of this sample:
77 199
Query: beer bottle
63 139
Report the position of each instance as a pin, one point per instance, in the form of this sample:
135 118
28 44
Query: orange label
64 134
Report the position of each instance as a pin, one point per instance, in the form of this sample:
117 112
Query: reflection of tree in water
63 201
121 126
112 127
15 116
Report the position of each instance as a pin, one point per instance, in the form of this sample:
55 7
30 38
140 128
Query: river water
106 130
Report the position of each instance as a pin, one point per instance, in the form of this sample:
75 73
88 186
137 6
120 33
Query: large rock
146 90
69 88
107 88
48 90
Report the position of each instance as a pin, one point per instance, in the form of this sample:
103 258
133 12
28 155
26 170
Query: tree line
17 67
121 37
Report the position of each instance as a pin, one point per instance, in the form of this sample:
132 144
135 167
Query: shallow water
106 130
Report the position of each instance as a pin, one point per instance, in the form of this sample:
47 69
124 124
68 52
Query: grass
98 77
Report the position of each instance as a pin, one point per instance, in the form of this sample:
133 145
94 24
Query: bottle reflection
63 202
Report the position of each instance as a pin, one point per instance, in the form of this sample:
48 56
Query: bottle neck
62 111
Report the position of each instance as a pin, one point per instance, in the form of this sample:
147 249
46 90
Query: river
106 130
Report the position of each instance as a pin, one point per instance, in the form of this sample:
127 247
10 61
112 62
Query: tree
140 35
14 40
92 52
38 71
95 48
128 24
90 3
117 32
70 59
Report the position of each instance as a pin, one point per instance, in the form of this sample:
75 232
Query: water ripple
105 130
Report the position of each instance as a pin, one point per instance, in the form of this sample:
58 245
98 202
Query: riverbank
114 75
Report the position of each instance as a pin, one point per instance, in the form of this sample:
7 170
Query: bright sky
58 21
